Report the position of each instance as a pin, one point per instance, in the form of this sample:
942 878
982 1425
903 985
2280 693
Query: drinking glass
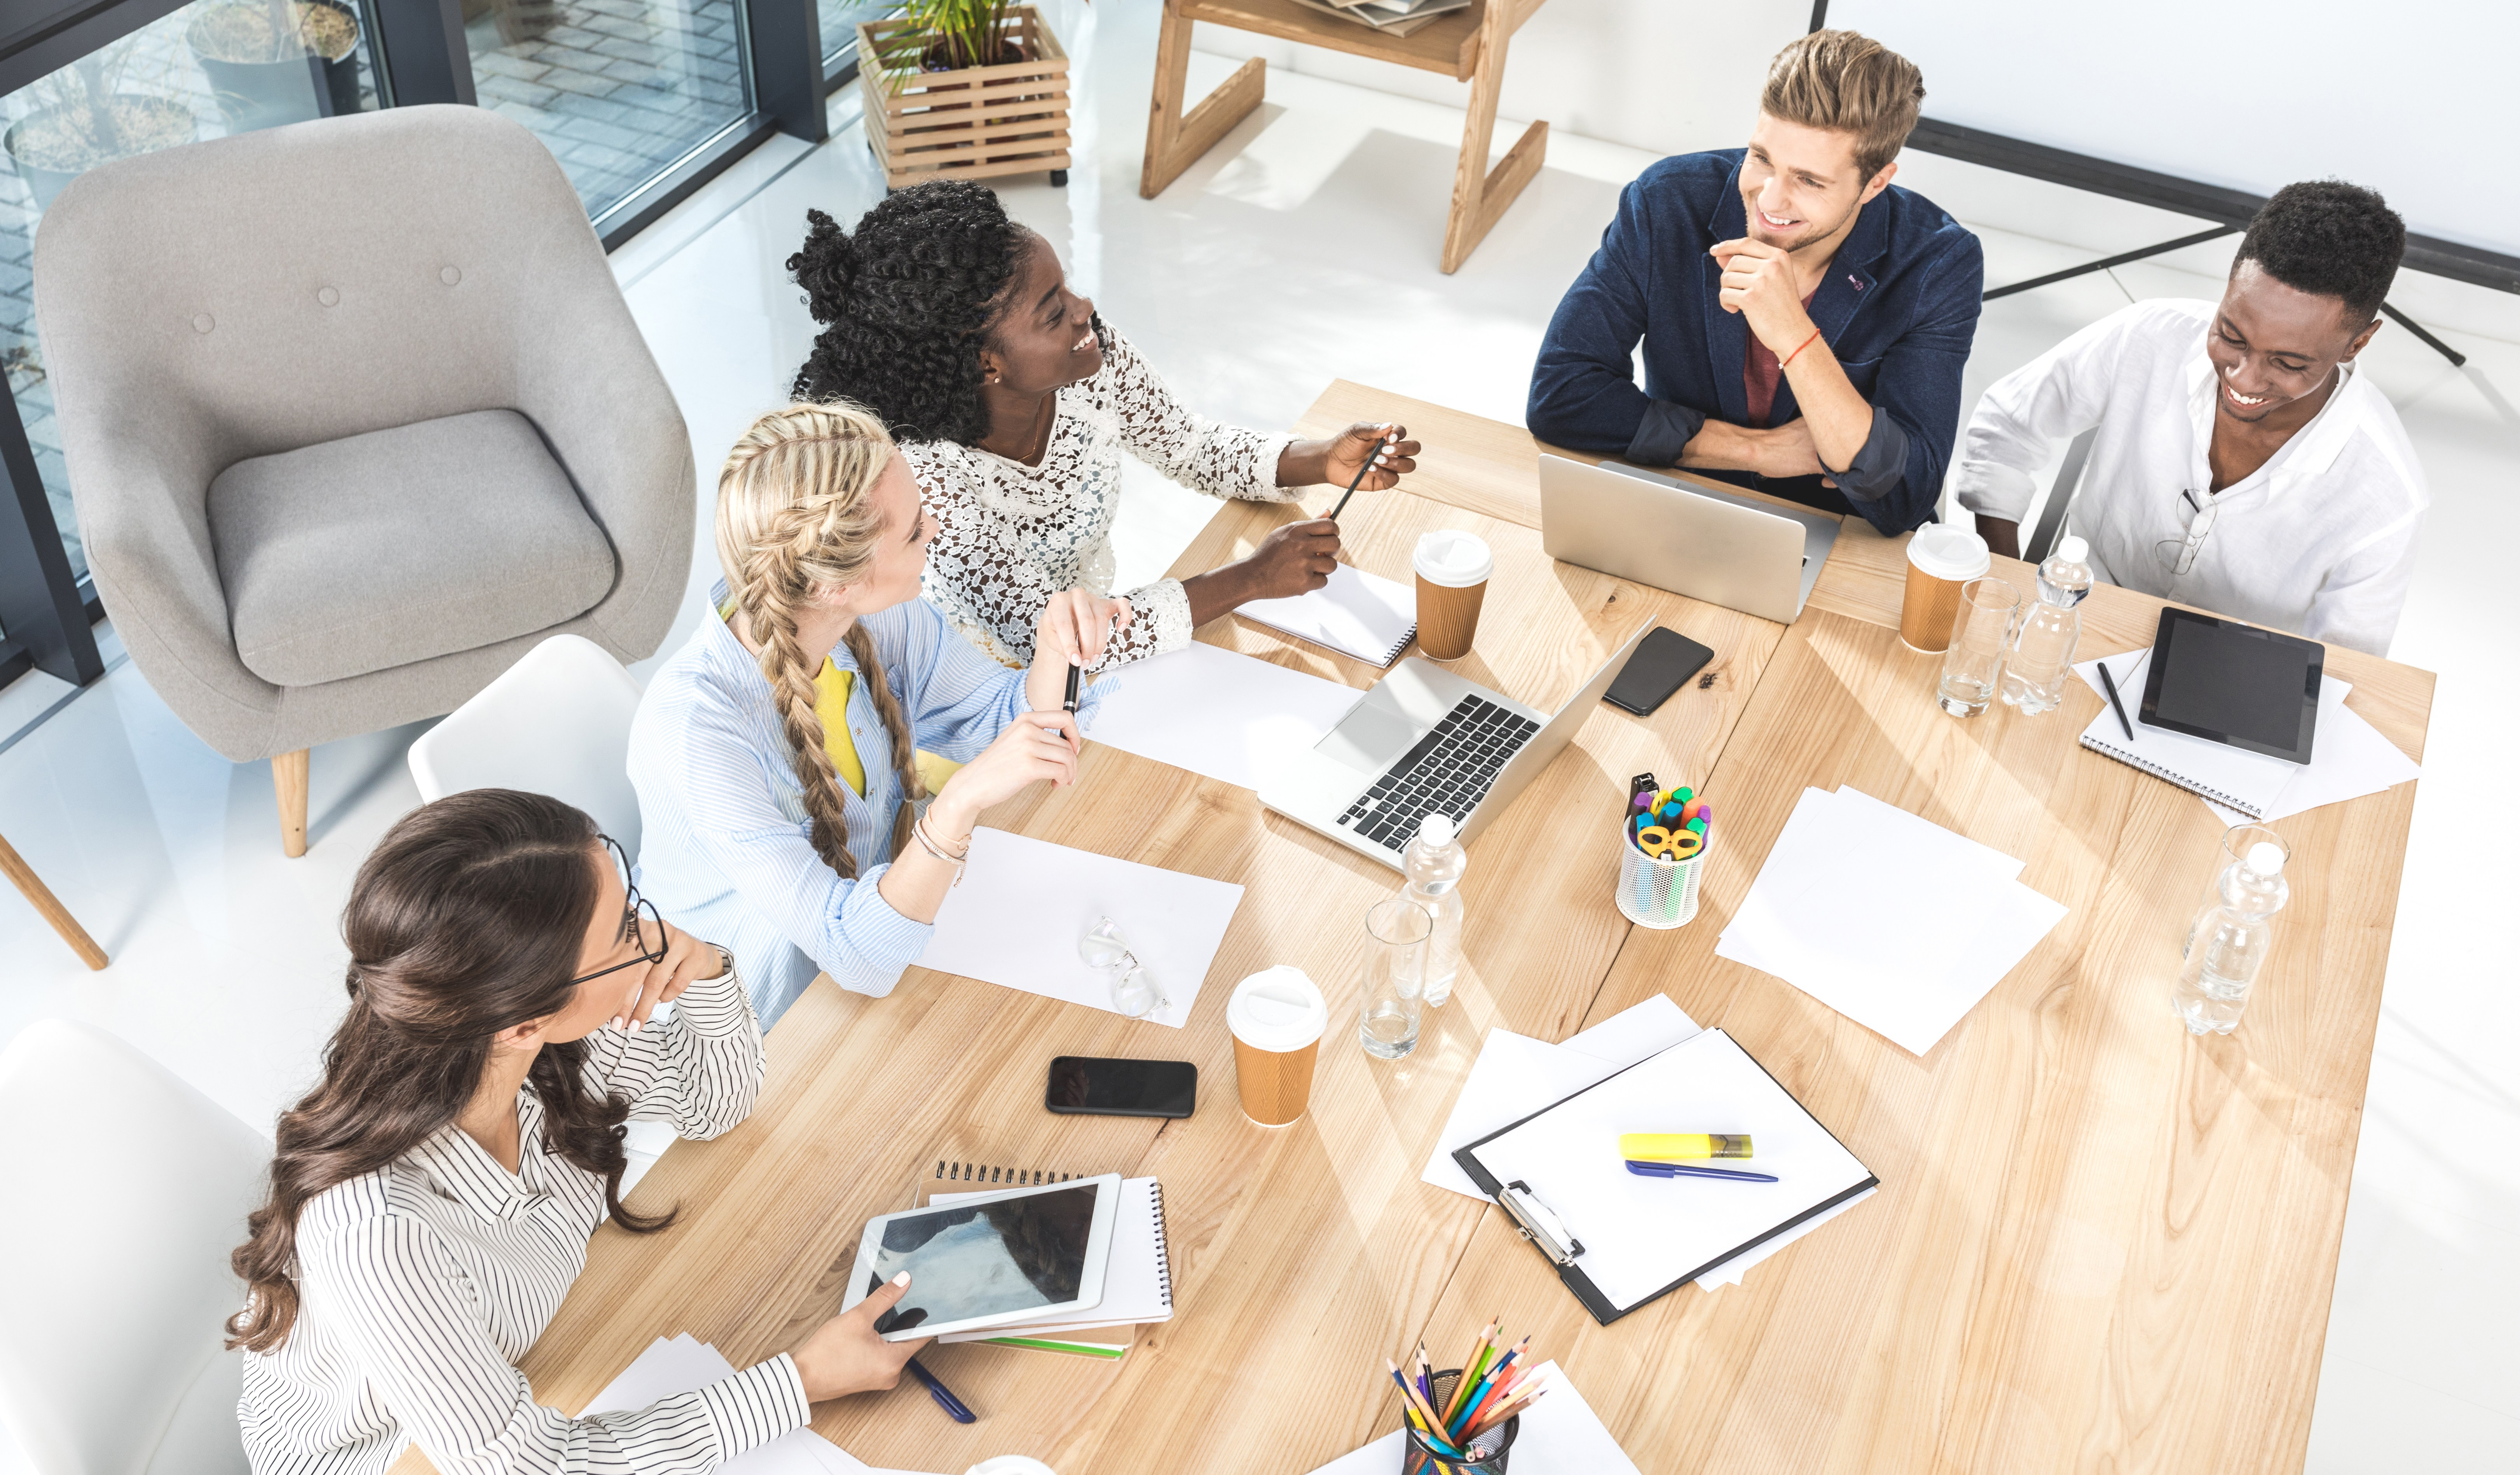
1980 637
1395 976
1134 994
2237 842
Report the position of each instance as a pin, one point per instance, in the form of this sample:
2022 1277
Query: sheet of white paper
1560 1434
1516 1074
1730 1271
1216 712
1641 1233
1023 904
679 1365
1357 614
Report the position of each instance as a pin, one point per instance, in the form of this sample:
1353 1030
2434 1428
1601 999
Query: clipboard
1558 1238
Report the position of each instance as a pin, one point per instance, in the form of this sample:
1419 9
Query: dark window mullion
422 50
41 609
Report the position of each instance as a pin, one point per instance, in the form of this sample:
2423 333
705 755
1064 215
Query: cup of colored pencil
1462 1420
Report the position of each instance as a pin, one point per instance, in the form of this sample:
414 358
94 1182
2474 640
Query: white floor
1302 249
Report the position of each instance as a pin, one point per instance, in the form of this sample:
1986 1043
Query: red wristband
1798 347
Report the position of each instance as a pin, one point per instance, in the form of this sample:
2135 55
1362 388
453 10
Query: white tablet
1024 1254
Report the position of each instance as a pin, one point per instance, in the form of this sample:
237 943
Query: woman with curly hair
1013 401
431 1200
782 758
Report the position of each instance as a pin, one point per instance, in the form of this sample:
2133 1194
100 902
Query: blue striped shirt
725 851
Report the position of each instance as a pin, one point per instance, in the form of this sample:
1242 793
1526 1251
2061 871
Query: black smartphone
1664 659
1081 1085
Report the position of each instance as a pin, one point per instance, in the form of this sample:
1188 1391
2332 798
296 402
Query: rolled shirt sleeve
697 1067
2055 397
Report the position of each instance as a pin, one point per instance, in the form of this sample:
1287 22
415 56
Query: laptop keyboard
1449 772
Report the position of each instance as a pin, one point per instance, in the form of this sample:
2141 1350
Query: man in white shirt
2242 464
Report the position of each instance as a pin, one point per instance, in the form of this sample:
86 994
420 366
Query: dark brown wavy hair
465 920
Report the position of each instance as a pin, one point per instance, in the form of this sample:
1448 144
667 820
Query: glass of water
1973 664
1134 994
1395 976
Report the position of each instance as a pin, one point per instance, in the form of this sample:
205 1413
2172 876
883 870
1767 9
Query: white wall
1668 76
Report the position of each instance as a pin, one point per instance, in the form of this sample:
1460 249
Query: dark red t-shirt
1760 374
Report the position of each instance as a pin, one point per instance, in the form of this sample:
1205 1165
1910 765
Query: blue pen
943 1394
1692 1171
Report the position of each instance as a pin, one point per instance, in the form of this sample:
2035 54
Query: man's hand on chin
1758 282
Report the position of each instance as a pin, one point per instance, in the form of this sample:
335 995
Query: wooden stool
50 905
1467 44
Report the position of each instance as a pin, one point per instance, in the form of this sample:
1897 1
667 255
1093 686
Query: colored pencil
1407 1394
1522 1399
1471 1366
1497 1383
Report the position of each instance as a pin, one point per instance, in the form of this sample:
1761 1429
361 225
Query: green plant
959 33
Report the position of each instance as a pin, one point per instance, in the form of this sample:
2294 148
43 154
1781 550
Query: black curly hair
906 304
2329 238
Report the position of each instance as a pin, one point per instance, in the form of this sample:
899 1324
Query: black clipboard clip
1538 1222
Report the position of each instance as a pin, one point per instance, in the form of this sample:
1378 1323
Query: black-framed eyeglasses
640 919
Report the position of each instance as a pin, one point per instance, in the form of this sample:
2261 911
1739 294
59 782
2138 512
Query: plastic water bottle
2229 942
2043 653
1435 862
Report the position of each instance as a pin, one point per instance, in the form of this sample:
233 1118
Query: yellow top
831 705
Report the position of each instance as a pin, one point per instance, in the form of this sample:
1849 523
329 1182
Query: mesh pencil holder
1486 1453
1657 893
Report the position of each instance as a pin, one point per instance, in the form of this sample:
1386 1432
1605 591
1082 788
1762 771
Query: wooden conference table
2100 1243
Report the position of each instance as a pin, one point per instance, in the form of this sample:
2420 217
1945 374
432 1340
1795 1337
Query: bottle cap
1277 1009
2266 859
2071 550
1436 830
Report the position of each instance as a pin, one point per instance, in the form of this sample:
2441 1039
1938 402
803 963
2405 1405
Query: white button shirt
2320 541
420 1284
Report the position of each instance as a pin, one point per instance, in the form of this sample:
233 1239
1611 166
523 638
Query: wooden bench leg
289 779
1480 194
50 907
1174 139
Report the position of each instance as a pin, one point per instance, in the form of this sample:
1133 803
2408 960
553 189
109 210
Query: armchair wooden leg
289 779
1480 194
1174 139
50 907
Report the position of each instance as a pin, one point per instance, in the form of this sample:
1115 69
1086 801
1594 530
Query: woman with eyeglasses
782 758
431 1200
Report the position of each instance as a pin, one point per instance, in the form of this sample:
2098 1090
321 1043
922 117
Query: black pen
1692 1171
1074 672
1358 476
943 1394
2110 683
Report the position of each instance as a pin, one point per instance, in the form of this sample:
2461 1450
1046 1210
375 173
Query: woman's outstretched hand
1075 628
1336 460
846 1355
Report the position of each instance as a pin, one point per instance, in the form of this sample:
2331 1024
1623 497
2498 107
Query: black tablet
2228 682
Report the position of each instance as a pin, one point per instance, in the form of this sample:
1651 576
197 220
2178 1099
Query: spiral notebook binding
2168 775
985 1173
1163 1253
1401 644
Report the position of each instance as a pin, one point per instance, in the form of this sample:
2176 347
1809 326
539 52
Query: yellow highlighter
1681 1146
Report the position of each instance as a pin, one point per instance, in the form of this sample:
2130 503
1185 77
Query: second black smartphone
1085 1085
1664 659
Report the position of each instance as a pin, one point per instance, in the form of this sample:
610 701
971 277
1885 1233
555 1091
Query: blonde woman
776 757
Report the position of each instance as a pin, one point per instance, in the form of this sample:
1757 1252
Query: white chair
557 722
128 1190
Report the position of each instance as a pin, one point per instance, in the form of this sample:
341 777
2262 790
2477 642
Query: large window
839 25
620 90
211 68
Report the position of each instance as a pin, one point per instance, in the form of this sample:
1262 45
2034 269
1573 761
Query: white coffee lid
1945 551
2266 859
1454 559
1277 1009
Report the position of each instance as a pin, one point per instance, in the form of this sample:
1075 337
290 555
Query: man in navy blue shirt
1804 320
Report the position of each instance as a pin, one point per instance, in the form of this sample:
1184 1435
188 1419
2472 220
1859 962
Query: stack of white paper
680 1364
1891 920
2348 756
1023 904
1560 1434
1356 614
1217 712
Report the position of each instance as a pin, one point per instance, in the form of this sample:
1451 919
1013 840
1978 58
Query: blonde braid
793 516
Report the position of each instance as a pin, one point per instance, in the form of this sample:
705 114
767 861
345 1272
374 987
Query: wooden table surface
2100 1243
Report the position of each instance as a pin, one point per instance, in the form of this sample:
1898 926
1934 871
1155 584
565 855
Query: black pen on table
943 1394
1383 445
2110 684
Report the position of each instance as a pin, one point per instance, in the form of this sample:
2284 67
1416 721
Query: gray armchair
355 416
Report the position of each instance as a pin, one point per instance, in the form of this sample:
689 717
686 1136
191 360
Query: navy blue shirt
1898 307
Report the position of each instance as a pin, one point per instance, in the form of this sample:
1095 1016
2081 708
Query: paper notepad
1356 614
1644 1236
1137 1287
1023 904
1215 712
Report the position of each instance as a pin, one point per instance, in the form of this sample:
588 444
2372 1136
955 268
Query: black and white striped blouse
420 1284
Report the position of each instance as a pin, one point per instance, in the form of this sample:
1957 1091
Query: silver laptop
1424 741
1684 536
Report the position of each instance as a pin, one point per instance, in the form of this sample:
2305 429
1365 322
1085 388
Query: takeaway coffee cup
1277 1017
1452 570
1940 559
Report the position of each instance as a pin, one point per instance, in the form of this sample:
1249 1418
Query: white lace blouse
1012 535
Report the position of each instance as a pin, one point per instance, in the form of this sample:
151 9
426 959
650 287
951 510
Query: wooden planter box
973 123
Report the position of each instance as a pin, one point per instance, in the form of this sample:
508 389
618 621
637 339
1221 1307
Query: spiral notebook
1136 1288
1356 614
2233 777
